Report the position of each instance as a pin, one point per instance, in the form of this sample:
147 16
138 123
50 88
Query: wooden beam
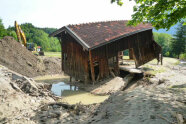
91 67
131 53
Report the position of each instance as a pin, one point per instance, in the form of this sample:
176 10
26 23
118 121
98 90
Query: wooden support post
131 53
117 64
70 79
91 67
161 58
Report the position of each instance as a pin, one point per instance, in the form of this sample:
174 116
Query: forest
38 36
173 45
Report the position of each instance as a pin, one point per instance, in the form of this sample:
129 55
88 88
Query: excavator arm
17 31
20 34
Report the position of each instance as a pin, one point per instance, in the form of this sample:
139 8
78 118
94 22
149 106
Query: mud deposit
17 58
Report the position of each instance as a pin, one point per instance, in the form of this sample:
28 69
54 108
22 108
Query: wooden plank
130 70
91 66
131 53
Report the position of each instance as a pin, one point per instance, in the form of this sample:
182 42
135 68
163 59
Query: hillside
39 36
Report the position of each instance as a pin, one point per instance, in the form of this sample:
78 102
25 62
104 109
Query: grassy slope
53 54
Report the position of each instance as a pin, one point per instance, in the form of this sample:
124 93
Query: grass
53 54
153 69
125 57
172 61
52 78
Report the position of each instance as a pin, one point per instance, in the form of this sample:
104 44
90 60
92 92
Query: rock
152 117
16 76
55 106
3 120
154 80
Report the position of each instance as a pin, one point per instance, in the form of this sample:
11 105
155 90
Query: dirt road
149 101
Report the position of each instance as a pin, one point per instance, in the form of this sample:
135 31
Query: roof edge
77 38
72 33
53 34
120 37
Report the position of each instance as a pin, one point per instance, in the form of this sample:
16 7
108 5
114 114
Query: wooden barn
90 51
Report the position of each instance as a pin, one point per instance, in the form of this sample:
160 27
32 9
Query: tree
164 40
39 36
2 30
179 41
160 13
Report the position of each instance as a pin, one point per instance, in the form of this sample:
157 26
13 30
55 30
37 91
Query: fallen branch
165 119
179 117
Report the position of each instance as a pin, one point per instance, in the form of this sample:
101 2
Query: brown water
72 94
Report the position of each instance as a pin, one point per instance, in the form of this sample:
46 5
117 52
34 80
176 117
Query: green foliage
167 53
3 31
12 33
48 30
39 36
183 56
178 44
164 40
160 13
119 2
126 52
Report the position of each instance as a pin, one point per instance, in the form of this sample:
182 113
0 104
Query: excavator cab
30 46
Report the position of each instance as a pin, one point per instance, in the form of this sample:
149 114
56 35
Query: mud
17 58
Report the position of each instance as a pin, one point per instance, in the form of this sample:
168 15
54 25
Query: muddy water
72 94
60 87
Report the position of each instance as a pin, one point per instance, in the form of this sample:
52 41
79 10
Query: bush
167 54
183 56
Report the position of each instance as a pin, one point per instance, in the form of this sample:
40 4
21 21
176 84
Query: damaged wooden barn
90 51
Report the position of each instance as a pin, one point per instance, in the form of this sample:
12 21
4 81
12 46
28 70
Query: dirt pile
20 97
17 58
23 101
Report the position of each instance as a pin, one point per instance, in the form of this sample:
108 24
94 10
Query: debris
166 119
178 116
113 85
130 70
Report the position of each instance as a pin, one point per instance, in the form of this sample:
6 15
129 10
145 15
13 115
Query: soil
157 98
17 58
20 97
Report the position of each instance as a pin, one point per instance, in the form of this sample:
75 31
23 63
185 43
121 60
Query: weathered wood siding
140 45
74 58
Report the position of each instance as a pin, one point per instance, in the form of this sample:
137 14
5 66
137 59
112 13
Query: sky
57 13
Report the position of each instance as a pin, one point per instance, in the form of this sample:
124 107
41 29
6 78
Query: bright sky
57 13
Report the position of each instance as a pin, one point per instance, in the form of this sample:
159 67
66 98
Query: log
112 73
131 70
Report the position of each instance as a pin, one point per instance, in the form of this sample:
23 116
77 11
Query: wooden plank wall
141 45
75 59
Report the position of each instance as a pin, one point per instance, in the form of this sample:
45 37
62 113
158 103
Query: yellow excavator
22 39
20 34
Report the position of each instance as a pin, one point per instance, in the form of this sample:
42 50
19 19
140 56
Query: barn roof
93 35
